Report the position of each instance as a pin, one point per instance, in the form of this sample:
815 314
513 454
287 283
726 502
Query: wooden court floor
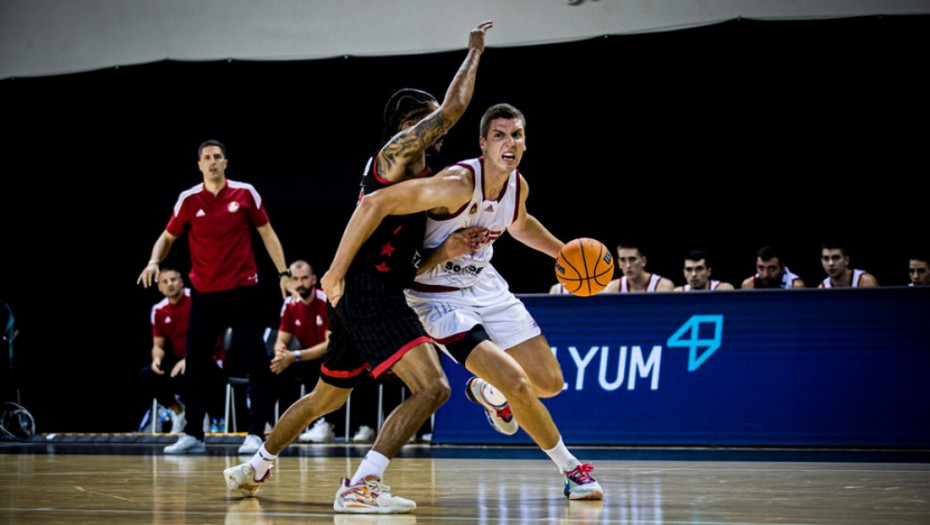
139 485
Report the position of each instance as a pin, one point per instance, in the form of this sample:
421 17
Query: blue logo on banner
689 336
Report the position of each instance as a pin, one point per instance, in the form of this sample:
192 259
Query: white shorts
489 303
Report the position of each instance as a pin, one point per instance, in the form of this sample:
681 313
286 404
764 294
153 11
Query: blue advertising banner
832 367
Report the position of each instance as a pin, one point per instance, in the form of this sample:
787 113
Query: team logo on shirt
233 207
474 209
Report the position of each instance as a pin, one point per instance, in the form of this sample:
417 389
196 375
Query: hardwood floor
482 486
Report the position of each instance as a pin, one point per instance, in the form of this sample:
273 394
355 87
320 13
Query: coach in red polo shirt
217 217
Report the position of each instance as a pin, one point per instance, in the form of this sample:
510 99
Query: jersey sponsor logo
471 269
233 207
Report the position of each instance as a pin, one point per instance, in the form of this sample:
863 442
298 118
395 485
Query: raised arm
528 230
411 142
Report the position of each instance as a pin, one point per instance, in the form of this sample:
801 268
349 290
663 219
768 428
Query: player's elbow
372 205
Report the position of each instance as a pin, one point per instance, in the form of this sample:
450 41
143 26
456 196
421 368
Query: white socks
562 458
262 461
374 464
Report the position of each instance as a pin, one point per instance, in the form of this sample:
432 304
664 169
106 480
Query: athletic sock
374 464
562 458
262 462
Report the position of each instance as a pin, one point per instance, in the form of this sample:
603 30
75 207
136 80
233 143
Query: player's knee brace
460 349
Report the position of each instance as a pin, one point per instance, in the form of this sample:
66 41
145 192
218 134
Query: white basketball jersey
857 275
650 286
711 285
494 213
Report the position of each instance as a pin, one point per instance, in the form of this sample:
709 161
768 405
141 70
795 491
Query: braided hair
406 104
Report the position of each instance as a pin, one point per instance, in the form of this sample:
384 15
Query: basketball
584 266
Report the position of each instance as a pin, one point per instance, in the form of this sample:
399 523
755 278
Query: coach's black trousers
211 314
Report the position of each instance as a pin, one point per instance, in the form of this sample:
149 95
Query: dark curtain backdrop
724 138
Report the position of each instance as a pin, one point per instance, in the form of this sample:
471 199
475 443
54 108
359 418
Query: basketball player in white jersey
463 302
632 261
835 262
697 272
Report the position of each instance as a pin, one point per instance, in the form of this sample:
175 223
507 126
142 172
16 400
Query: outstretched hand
149 275
476 37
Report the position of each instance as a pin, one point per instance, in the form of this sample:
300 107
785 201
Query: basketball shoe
250 444
186 444
365 434
320 432
370 497
580 485
242 477
498 409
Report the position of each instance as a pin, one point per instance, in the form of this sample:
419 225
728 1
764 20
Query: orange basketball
584 266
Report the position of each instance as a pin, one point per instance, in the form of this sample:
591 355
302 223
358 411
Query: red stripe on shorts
343 373
389 362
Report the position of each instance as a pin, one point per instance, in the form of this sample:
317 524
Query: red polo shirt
219 234
307 322
170 321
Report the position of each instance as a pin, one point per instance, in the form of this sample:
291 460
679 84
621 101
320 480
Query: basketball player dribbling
369 319
463 302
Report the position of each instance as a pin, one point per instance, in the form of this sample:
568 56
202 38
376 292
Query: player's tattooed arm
412 142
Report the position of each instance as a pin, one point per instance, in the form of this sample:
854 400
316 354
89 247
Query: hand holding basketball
584 266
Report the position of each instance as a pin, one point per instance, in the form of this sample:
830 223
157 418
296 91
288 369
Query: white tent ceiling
46 37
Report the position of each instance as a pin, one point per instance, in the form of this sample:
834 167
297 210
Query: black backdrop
724 137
